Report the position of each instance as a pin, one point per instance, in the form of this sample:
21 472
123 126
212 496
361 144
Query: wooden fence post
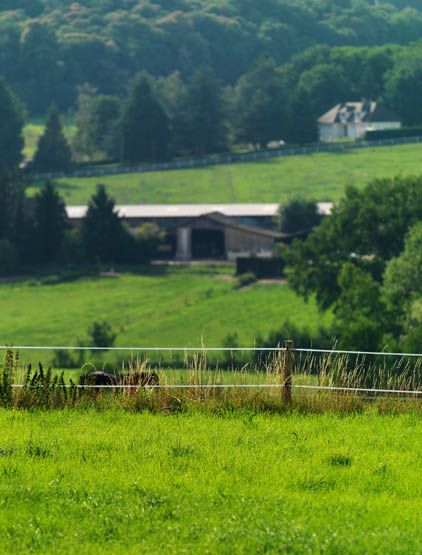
286 373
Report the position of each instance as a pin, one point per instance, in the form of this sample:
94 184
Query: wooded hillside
49 47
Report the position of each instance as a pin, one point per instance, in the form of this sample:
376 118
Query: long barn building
206 231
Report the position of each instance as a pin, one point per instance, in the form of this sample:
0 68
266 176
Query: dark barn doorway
208 243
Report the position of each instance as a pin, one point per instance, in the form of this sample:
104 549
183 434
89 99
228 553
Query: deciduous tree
260 105
402 289
298 215
98 130
367 228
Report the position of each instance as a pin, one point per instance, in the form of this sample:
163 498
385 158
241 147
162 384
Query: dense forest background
50 47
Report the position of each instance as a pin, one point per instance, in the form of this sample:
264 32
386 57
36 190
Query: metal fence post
286 373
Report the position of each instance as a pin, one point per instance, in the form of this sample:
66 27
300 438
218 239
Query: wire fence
208 349
241 386
414 390
231 158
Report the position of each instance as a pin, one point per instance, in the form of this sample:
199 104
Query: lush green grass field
320 176
97 482
173 307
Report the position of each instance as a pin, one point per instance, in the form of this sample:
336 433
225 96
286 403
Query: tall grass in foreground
255 385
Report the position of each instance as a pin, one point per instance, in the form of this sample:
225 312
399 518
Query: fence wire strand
208 349
237 386
202 349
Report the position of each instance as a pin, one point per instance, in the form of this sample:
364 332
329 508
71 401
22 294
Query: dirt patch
273 281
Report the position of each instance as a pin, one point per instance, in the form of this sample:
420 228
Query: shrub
147 241
10 367
73 250
245 279
101 334
382 134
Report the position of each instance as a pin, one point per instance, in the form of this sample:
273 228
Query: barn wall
241 241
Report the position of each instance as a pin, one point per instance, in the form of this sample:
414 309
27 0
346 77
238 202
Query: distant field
111 482
320 176
176 308
33 131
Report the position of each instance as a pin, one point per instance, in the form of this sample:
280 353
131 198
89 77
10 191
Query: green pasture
33 131
321 176
176 306
115 482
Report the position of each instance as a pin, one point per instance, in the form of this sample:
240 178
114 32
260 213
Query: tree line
166 117
50 47
37 231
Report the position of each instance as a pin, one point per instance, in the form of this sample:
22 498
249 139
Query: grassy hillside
318 176
112 482
176 308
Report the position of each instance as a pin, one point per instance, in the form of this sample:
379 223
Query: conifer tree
102 230
50 223
145 126
53 152
11 124
202 117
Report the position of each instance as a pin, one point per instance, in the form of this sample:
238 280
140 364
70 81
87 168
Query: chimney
366 105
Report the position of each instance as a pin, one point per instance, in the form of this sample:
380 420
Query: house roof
192 210
356 112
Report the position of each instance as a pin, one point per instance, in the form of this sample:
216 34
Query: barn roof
225 221
129 211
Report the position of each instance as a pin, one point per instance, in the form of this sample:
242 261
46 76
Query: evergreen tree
53 152
12 197
145 126
50 224
11 140
202 117
102 230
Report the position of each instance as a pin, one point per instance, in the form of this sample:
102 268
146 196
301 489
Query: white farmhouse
350 120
